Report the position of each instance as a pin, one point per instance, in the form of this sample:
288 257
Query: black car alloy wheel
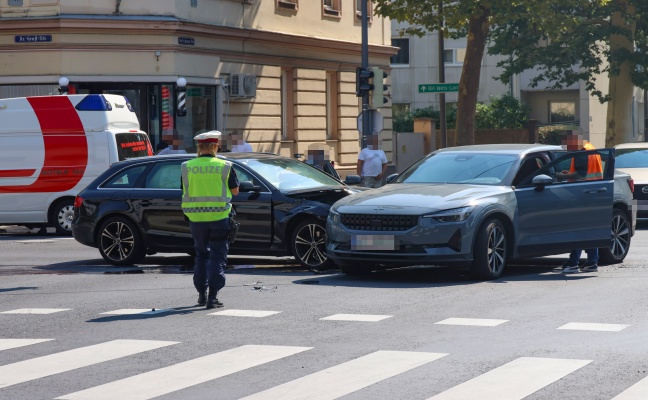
309 244
120 243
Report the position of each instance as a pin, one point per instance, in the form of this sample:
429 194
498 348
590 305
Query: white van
51 147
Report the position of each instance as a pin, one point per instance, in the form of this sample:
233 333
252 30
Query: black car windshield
289 175
631 158
455 167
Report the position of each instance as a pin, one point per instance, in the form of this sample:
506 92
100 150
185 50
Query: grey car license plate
374 242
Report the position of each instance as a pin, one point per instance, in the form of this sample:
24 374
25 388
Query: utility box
408 148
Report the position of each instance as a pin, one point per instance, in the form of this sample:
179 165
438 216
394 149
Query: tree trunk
621 89
478 27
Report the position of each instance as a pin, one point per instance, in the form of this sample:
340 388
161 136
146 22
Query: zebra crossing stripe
514 380
348 377
471 321
35 368
137 311
585 326
245 313
6 344
356 317
635 392
183 375
35 311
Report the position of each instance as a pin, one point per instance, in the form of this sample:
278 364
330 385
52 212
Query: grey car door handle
597 190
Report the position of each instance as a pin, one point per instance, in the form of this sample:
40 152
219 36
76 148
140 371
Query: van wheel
620 244
62 216
120 243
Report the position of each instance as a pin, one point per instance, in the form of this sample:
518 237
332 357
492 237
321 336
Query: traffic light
362 81
380 95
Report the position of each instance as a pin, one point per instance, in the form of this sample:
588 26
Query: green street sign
438 87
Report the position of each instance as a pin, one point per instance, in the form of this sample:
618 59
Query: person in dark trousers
208 184
582 168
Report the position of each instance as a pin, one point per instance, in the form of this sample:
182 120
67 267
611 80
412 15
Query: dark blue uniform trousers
211 244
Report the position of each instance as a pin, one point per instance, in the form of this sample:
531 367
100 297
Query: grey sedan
480 206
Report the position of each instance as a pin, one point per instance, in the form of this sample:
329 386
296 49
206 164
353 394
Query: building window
562 111
454 56
287 104
403 51
358 10
332 103
292 5
332 8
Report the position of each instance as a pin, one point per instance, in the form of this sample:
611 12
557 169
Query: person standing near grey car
372 163
208 184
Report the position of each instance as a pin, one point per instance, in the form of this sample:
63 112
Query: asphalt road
72 327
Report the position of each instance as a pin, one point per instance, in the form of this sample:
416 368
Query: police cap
208 137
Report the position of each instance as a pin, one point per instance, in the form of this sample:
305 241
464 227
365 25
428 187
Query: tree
578 41
472 19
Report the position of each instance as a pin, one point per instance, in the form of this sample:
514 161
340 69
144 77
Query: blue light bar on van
128 105
94 102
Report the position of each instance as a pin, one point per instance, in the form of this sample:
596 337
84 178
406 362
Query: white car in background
632 158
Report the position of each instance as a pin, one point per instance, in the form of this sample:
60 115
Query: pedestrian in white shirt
239 145
372 163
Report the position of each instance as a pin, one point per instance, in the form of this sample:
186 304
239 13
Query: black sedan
133 209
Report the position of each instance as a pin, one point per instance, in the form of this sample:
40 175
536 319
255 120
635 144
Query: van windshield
132 145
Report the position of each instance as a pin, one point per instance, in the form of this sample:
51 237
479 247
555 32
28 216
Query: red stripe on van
66 147
16 173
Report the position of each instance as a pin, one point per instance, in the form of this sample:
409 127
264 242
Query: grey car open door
563 214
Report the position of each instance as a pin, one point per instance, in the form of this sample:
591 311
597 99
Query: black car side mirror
247 186
541 181
390 178
352 180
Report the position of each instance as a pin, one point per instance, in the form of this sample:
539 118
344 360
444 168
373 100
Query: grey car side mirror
541 181
390 178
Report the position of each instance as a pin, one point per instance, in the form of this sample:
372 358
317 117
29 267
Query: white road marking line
35 368
348 377
471 321
186 374
245 313
635 392
6 344
137 311
584 326
35 311
514 380
356 317
35 241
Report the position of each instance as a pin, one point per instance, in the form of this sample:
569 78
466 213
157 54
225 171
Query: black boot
202 298
212 302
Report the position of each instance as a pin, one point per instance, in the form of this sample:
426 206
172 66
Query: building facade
281 72
417 63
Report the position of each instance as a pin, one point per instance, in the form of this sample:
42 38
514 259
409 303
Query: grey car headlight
452 215
334 217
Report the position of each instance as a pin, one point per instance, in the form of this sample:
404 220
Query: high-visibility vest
205 194
594 164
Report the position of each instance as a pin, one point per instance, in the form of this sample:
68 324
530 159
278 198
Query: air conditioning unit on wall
242 85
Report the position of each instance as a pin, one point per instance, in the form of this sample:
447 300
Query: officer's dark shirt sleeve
233 181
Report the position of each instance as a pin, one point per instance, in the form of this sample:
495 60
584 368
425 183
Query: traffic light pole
366 117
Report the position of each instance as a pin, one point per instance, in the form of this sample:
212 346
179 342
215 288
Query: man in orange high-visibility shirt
582 168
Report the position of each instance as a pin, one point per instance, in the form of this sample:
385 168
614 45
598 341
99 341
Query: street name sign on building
32 38
438 87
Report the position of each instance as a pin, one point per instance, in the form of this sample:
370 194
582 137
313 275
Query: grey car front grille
382 223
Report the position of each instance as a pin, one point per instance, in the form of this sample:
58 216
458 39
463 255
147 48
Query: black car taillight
78 201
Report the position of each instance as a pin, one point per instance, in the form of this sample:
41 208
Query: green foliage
554 134
505 112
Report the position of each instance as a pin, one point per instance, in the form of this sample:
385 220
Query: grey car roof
509 148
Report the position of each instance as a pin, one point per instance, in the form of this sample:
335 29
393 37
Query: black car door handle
597 190
145 203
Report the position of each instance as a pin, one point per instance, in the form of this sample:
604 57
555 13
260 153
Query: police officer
208 184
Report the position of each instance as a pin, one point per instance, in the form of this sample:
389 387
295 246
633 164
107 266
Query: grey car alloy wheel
620 244
490 252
